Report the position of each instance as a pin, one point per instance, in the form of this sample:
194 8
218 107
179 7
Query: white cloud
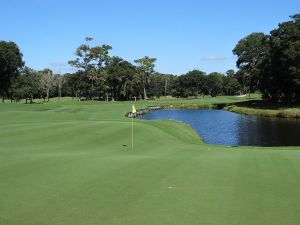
213 58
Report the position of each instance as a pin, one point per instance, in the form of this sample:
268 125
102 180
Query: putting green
70 163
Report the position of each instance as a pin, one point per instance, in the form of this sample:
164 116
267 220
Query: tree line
266 63
271 63
100 76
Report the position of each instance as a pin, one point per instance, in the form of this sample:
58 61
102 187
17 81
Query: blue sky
182 35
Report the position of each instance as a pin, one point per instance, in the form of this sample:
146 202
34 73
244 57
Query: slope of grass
71 163
260 108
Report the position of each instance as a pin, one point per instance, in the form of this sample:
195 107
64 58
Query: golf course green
71 163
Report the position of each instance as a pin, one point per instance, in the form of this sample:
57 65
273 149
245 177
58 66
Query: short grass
70 163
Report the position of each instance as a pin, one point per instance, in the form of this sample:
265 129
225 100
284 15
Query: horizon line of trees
103 77
266 63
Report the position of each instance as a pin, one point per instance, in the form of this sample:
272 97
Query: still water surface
227 128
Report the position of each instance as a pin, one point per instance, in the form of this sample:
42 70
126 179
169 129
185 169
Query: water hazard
227 128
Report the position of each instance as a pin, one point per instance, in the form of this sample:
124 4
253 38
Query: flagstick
132 132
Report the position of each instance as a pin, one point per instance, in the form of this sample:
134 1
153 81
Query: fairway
71 163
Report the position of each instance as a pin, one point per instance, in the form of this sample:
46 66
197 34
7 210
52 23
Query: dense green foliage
70 162
10 64
104 77
267 63
196 83
271 63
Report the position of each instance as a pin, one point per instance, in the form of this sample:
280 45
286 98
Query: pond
227 128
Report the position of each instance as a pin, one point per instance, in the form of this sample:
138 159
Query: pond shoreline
223 127
287 112
292 113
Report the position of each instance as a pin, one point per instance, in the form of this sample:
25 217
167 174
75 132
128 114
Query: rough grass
260 108
71 163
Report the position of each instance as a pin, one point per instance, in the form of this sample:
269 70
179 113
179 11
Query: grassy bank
70 162
207 102
260 108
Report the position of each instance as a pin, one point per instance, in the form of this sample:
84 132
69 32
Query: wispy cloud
213 58
61 67
58 64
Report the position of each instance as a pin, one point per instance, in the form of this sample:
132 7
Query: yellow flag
133 109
